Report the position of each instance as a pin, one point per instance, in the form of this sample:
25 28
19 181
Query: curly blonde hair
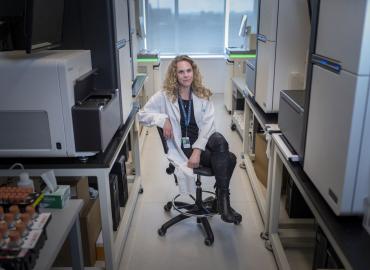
170 84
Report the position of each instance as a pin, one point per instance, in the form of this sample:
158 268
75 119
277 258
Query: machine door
125 80
265 74
336 38
268 19
121 19
251 76
335 123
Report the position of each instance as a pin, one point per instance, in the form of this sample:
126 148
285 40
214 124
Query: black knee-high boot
231 167
224 164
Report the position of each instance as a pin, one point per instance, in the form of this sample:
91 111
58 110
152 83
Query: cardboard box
100 248
56 199
90 224
79 188
90 228
261 160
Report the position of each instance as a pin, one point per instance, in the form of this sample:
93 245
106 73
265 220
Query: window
160 25
193 26
238 8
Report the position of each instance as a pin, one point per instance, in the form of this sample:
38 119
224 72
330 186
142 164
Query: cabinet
283 39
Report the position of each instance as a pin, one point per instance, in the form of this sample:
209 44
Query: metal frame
113 242
278 159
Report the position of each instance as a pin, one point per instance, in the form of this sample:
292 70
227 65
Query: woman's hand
194 159
167 129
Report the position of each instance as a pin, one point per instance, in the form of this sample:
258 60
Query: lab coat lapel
197 109
176 109
177 128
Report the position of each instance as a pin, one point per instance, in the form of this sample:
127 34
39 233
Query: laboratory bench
98 166
348 240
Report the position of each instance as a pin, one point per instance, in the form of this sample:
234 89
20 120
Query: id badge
185 142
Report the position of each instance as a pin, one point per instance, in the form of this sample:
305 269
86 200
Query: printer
49 107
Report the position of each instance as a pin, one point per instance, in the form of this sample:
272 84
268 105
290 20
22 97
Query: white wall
213 71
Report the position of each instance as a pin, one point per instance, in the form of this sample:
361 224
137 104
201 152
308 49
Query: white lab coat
158 109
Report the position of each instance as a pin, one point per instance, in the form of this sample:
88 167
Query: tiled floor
235 247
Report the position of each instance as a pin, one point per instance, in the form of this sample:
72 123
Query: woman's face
184 72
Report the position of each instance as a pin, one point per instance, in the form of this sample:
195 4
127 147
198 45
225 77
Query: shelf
238 120
57 231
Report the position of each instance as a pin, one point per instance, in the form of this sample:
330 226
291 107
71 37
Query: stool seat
203 171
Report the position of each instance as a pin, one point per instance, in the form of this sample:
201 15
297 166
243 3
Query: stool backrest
163 139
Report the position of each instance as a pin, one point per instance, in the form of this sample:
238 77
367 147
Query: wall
213 71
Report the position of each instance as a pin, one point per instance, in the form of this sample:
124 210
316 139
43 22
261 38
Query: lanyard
187 114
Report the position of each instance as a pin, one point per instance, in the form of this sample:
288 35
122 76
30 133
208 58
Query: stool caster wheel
161 232
238 220
208 242
167 207
199 220
141 190
233 127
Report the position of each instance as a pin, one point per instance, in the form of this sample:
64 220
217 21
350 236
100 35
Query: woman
186 115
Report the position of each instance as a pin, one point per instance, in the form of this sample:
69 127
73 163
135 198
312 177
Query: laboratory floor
182 248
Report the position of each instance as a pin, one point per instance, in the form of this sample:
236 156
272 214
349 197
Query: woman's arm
153 113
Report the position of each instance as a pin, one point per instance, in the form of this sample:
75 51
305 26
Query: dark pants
218 157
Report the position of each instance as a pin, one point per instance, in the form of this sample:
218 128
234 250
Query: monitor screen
43 24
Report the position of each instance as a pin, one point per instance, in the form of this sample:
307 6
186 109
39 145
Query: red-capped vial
9 218
2 242
6 196
4 229
31 211
14 239
16 198
26 219
21 228
14 209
